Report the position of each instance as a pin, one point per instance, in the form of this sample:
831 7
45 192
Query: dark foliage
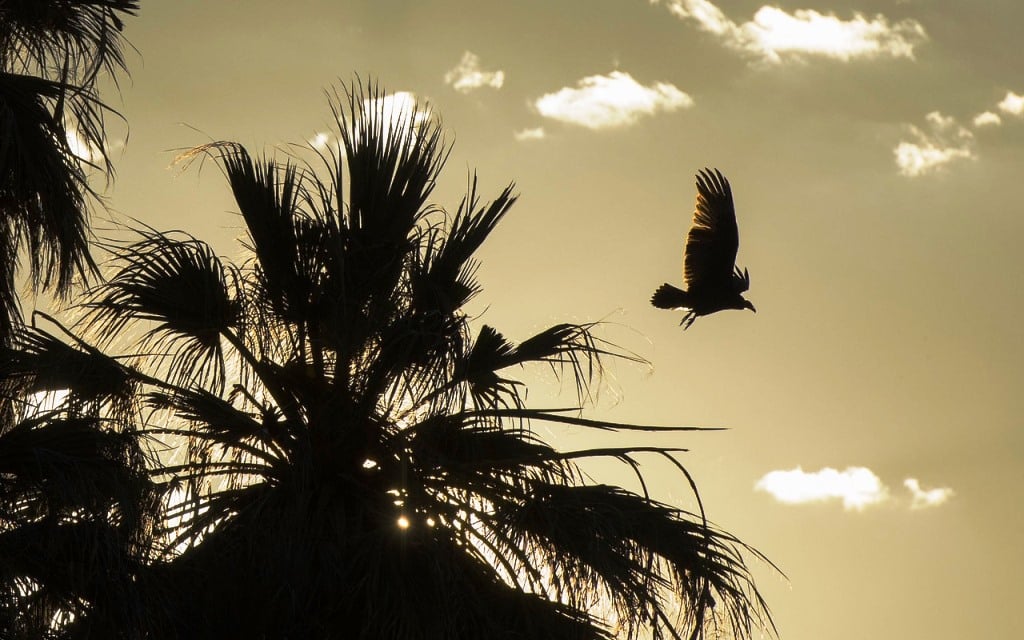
335 449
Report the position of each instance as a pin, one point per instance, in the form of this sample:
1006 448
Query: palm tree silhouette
337 450
713 281
51 52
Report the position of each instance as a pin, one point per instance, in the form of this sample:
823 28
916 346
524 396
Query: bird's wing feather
713 239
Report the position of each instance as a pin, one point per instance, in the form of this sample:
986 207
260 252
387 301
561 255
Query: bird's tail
669 297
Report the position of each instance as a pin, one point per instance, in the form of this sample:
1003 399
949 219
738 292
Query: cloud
85 150
467 75
1012 104
856 487
537 133
398 111
923 499
613 100
943 141
987 118
774 34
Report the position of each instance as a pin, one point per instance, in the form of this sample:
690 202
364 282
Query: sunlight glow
44 401
403 522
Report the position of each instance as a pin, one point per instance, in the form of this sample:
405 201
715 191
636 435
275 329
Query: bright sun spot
403 522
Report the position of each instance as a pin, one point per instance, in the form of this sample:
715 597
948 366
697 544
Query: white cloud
943 141
614 100
537 133
1012 104
398 111
987 118
922 499
856 487
467 75
83 149
773 34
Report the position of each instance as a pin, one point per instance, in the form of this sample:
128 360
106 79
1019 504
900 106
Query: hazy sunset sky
875 449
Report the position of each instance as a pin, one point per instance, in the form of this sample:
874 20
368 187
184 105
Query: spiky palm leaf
370 469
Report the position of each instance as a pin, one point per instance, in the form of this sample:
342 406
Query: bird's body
713 281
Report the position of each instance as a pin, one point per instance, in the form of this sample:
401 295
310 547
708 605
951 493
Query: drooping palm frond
71 40
38 364
52 135
44 191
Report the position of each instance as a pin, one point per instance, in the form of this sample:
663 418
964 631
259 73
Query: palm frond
336 453
635 551
177 283
37 362
447 280
566 348
44 191
394 152
69 464
73 38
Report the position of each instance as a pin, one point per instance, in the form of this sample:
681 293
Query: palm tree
336 449
52 133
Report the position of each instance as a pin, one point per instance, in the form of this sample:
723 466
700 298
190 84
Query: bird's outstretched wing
713 239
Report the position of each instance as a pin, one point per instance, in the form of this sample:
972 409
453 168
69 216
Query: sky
874 449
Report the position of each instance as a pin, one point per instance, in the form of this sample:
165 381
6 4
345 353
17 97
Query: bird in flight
712 279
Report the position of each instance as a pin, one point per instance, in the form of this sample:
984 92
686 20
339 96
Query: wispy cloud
609 101
925 498
467 75
774 34
943 140
536 133
84 150
856 487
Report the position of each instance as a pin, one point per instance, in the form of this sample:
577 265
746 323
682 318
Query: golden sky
875 150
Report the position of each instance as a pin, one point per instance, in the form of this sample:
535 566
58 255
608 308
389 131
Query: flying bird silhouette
713 281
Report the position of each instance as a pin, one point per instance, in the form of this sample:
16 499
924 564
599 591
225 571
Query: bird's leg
687 320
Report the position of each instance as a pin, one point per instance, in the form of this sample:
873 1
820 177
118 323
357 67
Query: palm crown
321 444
